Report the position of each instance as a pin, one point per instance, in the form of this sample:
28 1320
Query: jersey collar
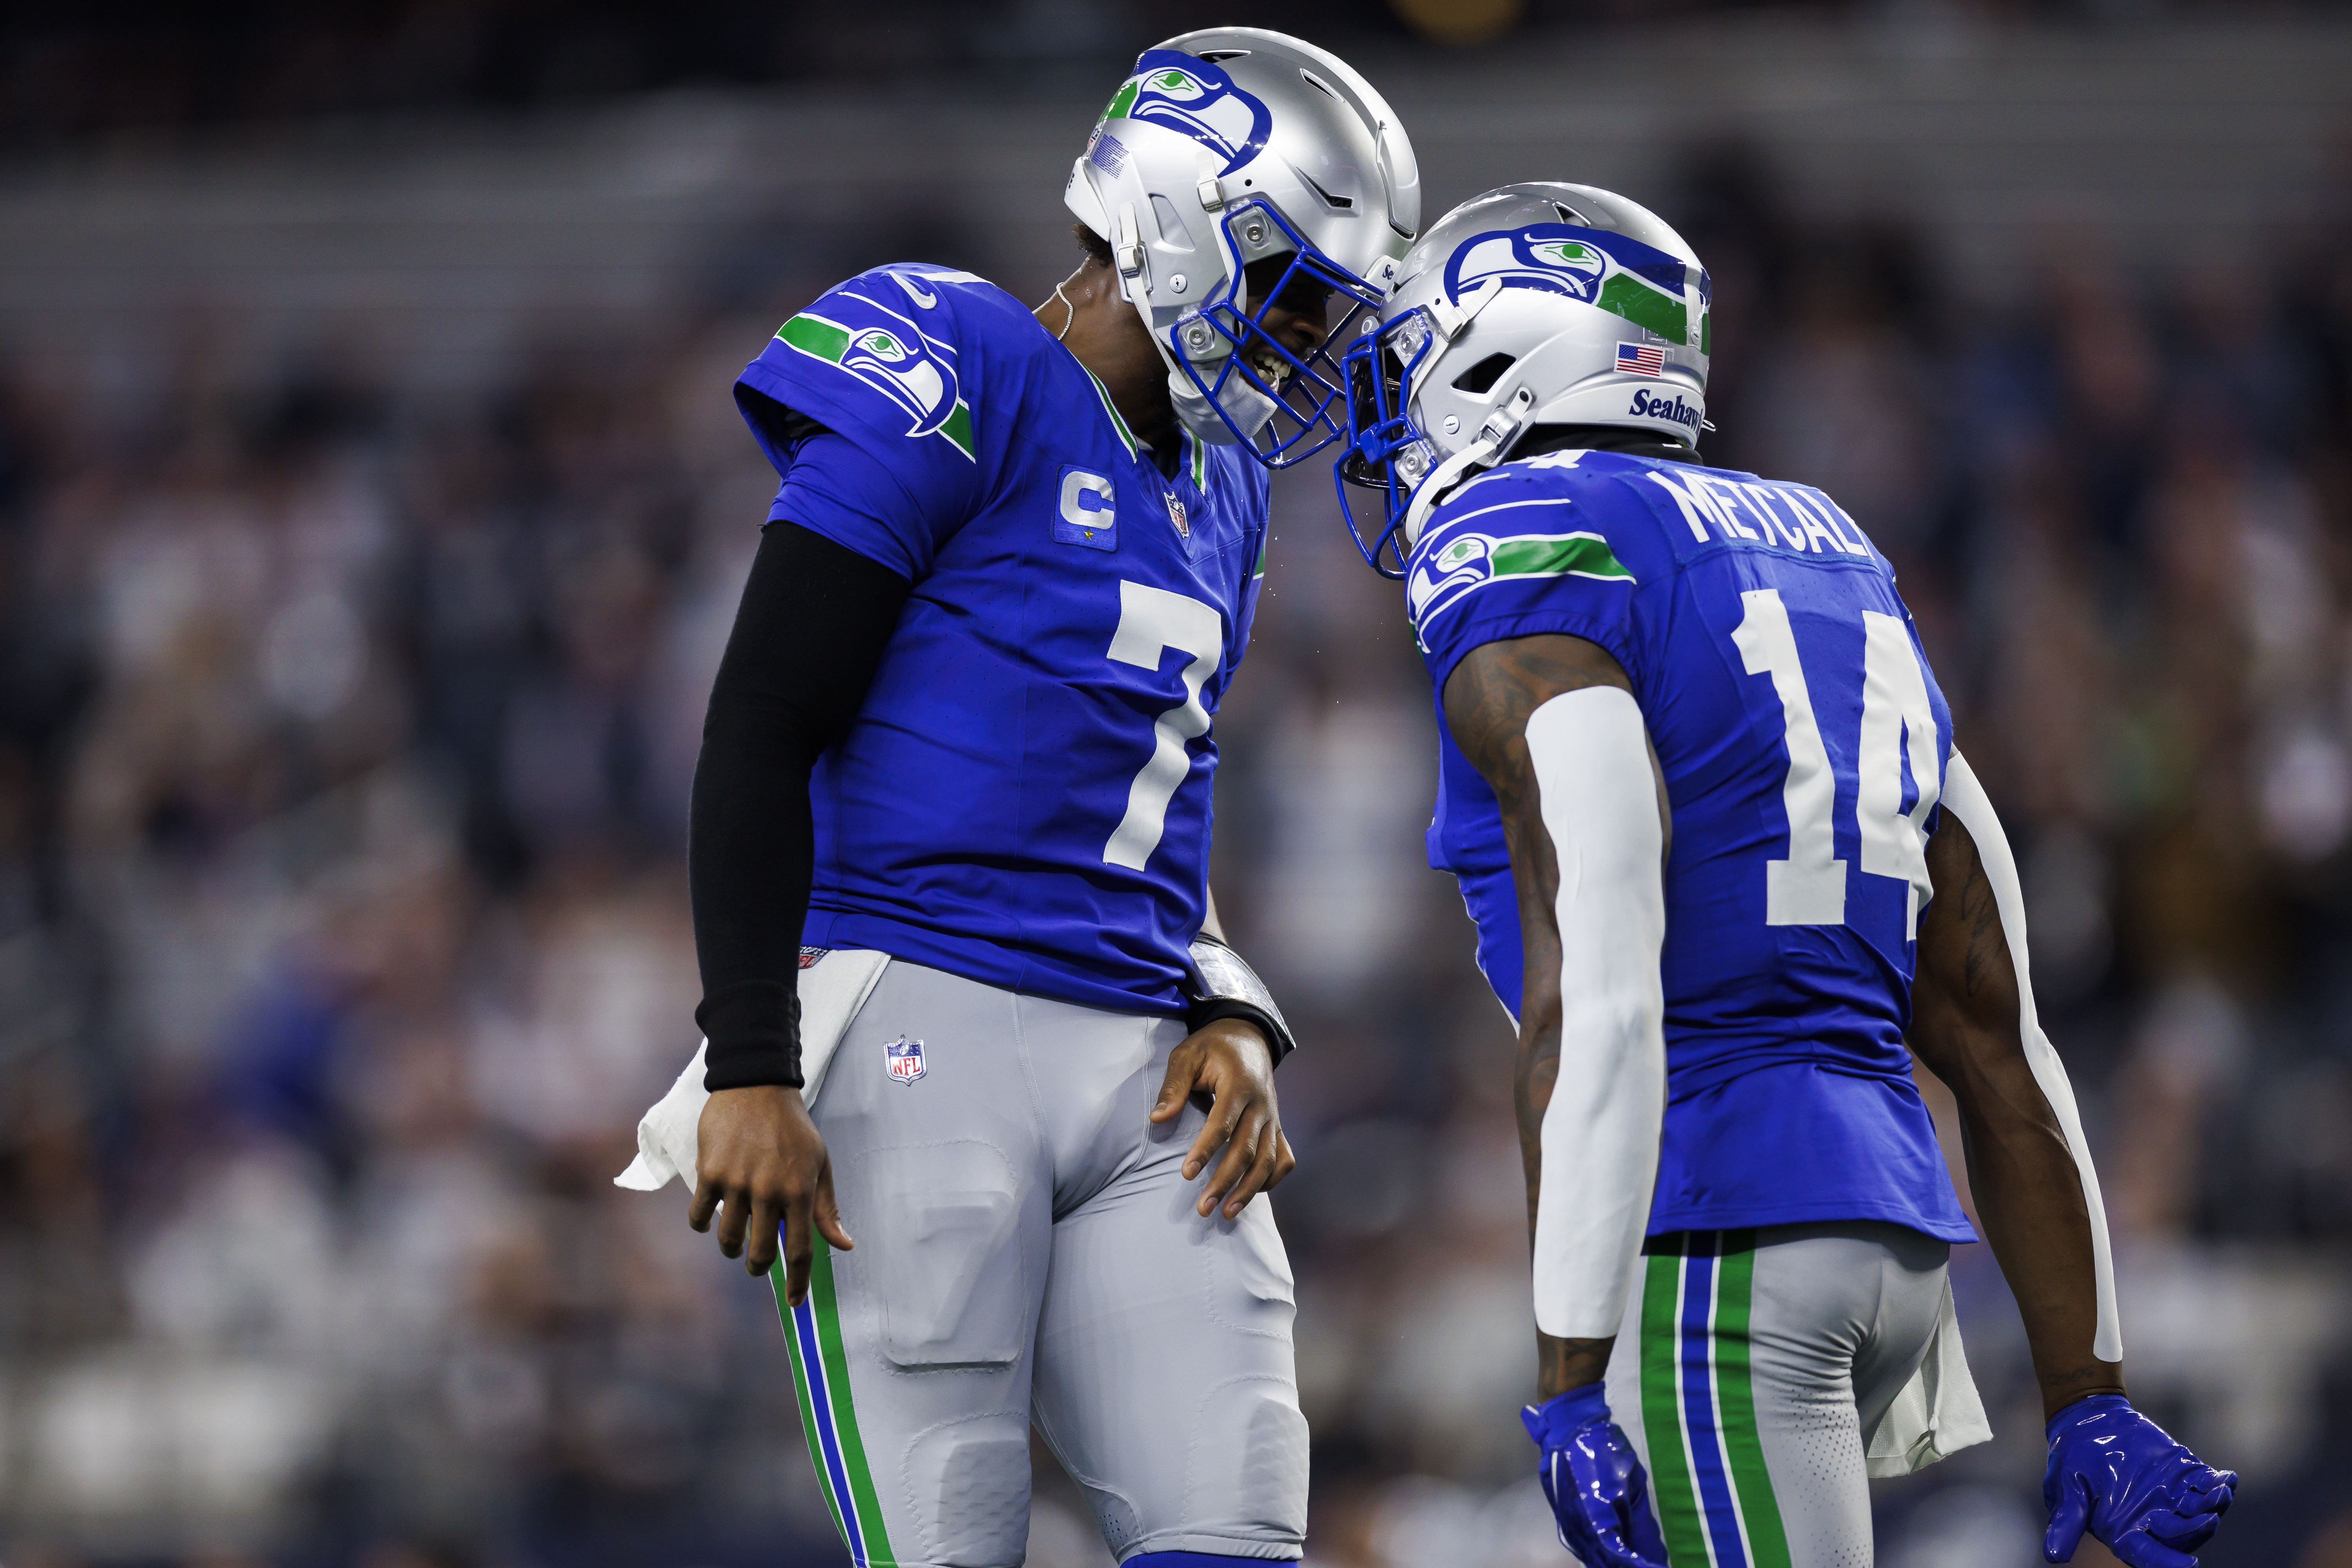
1125 437
1196 459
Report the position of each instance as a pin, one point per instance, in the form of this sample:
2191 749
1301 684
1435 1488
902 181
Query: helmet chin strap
1198 413
1494 438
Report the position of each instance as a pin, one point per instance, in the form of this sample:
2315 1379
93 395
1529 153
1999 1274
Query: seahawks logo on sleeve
889 352
1444 574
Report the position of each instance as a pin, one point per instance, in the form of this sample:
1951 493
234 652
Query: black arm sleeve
807 638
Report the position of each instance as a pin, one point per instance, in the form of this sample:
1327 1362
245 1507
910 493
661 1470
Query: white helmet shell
1576 305
1206 123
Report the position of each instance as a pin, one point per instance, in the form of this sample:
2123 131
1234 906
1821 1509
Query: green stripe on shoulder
820 339
958 429
815 336
1556 555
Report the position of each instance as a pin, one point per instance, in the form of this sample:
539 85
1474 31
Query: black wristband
754 1030
1224 985
1278 1043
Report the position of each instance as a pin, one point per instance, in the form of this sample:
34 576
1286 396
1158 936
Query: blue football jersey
1803 739
1023 799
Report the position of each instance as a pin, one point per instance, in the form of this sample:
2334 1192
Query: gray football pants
1027 1252
1751 1364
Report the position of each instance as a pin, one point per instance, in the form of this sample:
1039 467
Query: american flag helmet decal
1640 359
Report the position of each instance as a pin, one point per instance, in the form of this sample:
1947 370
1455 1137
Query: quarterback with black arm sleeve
963 728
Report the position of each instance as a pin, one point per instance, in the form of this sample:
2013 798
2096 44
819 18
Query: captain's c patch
1087 515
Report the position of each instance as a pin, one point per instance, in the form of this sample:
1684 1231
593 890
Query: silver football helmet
1534 304
1233 169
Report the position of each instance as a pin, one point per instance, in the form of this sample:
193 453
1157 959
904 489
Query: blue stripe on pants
820 1401
1707 1464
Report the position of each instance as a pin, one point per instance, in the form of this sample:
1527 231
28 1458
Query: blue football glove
2118 1475
1599 1494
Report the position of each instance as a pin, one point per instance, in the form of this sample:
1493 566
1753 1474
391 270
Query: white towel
1939 1412
832 991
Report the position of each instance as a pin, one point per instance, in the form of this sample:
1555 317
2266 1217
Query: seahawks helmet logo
895 365
1466 560
1528 259
1194 98
1619 274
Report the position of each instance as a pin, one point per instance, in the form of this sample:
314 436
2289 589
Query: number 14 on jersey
1808 887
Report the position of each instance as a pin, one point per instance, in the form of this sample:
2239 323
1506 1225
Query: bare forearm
1562 1364
1966 1024
1538 1069
2029 1197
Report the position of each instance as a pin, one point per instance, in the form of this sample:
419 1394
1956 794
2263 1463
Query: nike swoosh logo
915 292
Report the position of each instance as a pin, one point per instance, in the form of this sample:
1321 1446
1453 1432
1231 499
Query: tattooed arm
2029 1191
1490 698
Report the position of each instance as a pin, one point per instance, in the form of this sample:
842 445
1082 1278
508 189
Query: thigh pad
950 1277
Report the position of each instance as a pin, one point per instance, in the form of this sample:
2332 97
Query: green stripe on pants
826 1313
801 1390
845 1415
1662 1416
1734 1393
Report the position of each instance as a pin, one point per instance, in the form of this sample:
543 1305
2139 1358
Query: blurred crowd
344 745
125 67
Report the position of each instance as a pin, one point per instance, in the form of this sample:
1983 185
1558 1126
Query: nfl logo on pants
904 1058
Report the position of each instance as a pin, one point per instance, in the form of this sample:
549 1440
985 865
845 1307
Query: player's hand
2121 1477
1600 1496
760 1155
1229 1061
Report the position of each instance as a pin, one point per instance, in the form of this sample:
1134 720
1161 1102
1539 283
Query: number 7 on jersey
1151 621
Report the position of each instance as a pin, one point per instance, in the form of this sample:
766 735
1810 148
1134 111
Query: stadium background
371 512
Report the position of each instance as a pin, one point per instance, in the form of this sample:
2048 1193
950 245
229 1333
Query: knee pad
1186 1560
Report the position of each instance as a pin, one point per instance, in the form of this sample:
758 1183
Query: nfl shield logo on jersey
904 1058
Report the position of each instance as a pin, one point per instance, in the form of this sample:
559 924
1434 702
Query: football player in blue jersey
1697 784
963 721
